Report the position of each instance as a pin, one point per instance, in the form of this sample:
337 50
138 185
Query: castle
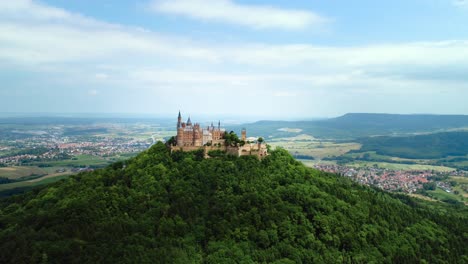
191 136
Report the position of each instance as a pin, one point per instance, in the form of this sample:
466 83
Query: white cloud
418 53
70 48
57 36
227 11
460 3
36 33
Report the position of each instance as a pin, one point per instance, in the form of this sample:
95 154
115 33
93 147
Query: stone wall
259 150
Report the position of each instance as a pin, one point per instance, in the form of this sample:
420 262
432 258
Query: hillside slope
180 208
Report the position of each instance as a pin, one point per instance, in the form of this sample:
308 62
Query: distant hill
180 208
432 146
390 123
361 125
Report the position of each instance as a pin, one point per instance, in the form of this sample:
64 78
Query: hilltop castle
191 136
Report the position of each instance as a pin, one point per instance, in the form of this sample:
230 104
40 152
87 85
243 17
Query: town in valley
35 151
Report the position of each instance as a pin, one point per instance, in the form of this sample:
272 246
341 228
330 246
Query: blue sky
259 59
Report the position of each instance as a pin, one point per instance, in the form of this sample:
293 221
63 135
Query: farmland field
442 195
315 149
397 166
17 172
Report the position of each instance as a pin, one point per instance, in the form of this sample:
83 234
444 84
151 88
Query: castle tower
179 120
244 135
180 131
197 136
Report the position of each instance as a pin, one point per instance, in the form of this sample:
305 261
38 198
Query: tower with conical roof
179 120
180 131
189 122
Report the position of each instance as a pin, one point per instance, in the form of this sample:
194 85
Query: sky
276 59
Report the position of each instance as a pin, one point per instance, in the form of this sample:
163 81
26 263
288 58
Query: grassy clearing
20 172
460 180
302 137
459 163
441 195
312 163
20 187
373 155
462 183
316 149
420 196
32 183
80 161
396 166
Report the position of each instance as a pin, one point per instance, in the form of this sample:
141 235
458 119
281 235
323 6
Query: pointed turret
189 122
180 131
179 120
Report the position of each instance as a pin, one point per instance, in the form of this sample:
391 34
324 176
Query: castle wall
259 150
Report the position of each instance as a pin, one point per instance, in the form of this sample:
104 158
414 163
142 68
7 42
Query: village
51 146
408 181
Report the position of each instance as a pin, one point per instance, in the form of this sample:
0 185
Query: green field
21 172
49 175
79 161
442 195
460 180
374 156
462 186
316 149
30 176
397 166
312 163
32 183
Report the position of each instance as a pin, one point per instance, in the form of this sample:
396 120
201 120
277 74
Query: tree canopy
181 208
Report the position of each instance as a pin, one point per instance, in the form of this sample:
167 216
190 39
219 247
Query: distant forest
432 146
352 126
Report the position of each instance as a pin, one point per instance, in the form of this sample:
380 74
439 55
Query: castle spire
189 122
219 124
179 120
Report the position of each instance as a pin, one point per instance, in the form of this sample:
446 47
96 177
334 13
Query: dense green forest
432 146
181 208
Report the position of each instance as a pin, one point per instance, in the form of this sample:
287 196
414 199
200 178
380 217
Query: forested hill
181 208
398 123
431 146
358 125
